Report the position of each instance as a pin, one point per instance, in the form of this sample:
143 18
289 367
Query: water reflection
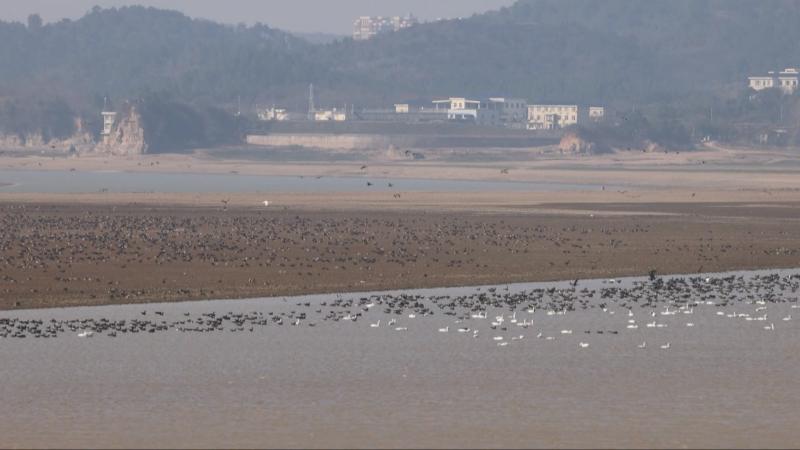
331 370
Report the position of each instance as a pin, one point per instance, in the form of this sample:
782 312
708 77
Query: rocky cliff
127 136
80 141
573 143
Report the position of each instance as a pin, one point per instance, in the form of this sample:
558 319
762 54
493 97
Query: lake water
81 182
726 381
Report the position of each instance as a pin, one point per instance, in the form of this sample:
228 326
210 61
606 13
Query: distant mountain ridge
582 51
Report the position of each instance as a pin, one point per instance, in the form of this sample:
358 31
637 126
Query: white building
330 115
460 109
554 117
366 27
786 80
273 114
597 113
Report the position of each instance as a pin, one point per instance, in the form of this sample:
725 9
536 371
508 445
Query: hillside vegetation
548 50
685 54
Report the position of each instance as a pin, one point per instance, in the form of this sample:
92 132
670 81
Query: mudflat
98 249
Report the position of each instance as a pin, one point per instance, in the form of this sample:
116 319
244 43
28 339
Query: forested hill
609 51
135 50
588 50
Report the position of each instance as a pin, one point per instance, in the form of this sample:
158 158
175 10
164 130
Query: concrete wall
382 141
322 141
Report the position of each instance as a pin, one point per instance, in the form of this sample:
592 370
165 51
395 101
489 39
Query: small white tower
109 117
108 122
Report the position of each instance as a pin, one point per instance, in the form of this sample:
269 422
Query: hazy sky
329 16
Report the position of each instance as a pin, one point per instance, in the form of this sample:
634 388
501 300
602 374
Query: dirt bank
67 254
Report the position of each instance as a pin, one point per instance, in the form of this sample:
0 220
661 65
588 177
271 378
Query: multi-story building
597 113
460 109
554 117
786 80
512 112
366 27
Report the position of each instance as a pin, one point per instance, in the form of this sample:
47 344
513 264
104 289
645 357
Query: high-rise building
367 27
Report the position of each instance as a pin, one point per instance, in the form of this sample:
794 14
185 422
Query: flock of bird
151 254
503 315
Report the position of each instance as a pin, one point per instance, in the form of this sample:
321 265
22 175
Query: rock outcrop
127 136
574 144
80 141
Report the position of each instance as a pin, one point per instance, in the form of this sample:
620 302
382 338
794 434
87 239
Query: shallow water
127 182
723 382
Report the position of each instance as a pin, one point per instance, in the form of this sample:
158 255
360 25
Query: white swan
376 325
566 331
84 334
770 327
445 329
787 318
498 338
583 344
401 329
642 345
464 330
666 346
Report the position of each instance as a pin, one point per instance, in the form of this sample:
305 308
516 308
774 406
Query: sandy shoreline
526 203
717 168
